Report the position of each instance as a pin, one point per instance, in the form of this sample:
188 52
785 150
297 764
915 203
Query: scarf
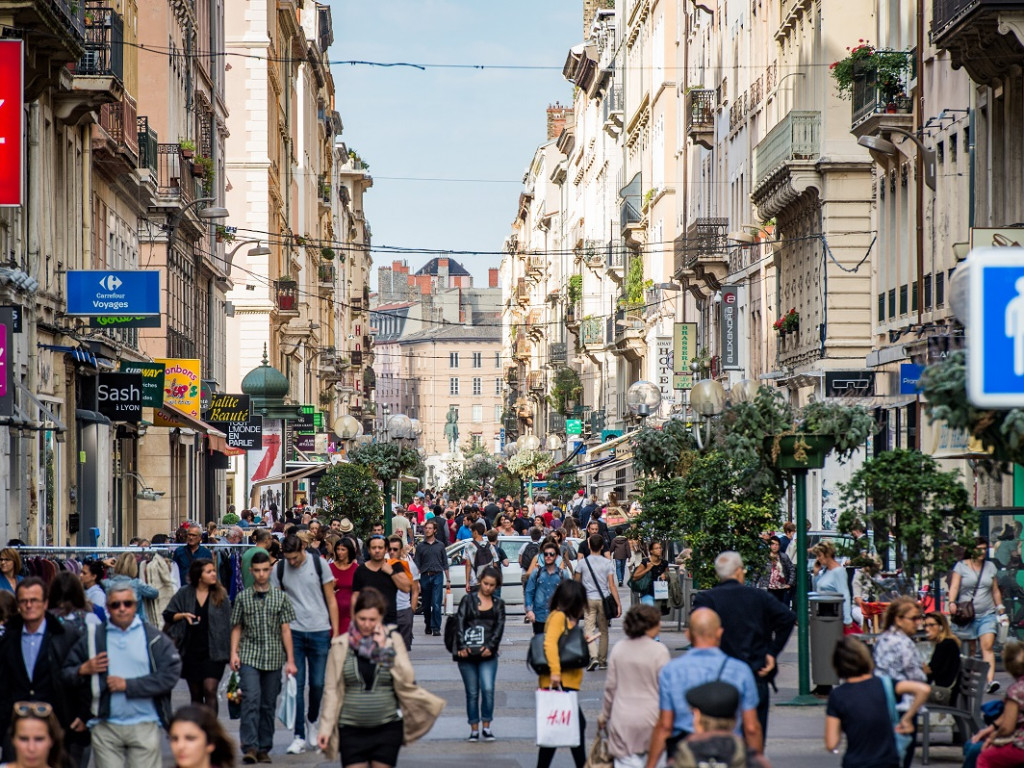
373 647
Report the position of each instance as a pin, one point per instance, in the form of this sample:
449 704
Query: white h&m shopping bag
449 603
558 718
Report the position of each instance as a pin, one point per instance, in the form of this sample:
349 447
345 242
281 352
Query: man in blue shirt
703 663
193 550
542 585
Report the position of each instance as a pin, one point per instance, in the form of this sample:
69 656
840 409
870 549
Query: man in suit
32 653
755 625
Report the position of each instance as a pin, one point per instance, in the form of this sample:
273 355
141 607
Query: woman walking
781 573
974 583
567 604
481 623
198 740
895 652
36 736
10 569
830 577
199 615
360 706
656 567
343 567
630 708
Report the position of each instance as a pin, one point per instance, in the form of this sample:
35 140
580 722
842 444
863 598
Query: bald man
703 663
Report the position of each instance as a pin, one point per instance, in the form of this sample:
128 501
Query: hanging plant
327 253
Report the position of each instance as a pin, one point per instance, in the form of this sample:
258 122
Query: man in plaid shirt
261 644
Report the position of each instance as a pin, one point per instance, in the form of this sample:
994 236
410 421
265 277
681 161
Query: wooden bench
967 709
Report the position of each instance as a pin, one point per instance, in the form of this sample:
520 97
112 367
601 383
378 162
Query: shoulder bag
964 615
611 606
573 651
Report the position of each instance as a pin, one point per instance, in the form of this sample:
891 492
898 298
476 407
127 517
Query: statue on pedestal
451 429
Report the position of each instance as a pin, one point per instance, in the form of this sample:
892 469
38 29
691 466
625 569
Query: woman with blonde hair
126 568
830 577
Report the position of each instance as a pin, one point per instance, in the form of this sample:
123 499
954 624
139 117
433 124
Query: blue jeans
478 677
432 589
647 599
620 570
259 699
310 648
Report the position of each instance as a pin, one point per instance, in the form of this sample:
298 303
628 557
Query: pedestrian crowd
313 625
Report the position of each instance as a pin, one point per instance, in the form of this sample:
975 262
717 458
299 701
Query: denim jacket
540 587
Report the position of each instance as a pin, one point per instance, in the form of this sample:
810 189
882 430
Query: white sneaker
312 730
297 747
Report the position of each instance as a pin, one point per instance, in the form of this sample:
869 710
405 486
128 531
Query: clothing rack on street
152 549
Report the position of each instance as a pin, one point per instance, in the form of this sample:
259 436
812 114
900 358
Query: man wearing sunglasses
542 585
129 668
31 654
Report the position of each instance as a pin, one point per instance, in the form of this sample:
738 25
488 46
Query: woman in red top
343 567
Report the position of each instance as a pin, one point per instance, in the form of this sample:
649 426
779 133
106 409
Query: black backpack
483 557
527 554
451 629
317 565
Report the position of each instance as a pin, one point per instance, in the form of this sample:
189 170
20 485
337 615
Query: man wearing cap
703 663
713 741
755 625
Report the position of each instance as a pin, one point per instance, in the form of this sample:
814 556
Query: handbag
964 615
941 694
420 710
599 756
178 632
643 583
608 603
573 651
558 715
903 740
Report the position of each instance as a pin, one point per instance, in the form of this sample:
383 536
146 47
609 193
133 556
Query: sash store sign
119 396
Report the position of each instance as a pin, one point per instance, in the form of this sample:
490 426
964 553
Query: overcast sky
448 123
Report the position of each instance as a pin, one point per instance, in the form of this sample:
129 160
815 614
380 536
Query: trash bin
826 630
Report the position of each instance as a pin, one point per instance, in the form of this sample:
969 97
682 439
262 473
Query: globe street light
744 391
528 443
643 398
707 398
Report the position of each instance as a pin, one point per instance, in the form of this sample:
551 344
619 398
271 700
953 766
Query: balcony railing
326 273
611 104
324 187
287 296
629 212
356 356
120 122
592 332
700 115
871 97
174 174
795 138
148 144
946 13
104 44
535 380
557 352
706 238
522 291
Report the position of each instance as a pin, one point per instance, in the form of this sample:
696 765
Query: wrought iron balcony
356 355
972 31
870 97
536 381
700 116
557 352
705 240
592 332
287 297
104 44
522 291
796 138
174 174
326 275
148 144
521 348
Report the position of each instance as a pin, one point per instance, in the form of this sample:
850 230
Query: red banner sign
12 108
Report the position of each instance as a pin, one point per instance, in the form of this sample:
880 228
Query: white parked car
512 587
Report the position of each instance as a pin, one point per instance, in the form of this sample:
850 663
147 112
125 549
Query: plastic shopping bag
660 590
286 706
449 603
558 723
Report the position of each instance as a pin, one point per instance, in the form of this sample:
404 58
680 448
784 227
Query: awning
78 354
170 413
610 444
43 409
220 445
292 475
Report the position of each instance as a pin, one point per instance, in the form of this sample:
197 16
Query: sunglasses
119 604
32 709
550 554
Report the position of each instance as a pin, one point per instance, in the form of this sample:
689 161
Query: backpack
527 554
451 629
483 557
317 565
726 751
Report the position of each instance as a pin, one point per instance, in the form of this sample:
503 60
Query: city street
794 741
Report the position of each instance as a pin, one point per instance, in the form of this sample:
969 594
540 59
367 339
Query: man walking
32 653
755 625
478 556
262 539
130 669
193 550
261 643
309 584
703 663
541 585
376 572
597 574
432 560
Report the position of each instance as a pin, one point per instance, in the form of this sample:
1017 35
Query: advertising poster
268 461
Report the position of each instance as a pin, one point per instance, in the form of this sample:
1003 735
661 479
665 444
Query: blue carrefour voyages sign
95 293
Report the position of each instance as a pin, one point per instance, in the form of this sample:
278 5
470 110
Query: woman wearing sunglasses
36 736
896 654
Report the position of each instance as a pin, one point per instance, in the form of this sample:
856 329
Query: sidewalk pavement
795 734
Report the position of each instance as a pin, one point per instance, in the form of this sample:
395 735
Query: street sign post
93 293
995 331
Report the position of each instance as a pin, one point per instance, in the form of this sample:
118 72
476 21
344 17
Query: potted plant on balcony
187 147
327 253
864 61
202 167
225 234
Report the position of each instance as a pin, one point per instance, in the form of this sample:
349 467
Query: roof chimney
557 115
492 277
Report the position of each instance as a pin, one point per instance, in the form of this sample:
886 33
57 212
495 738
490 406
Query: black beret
714 699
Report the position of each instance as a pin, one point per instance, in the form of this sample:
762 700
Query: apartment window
453 386
453 359
478 386
497 387
476 440
478 359
478 414
497 359
497 414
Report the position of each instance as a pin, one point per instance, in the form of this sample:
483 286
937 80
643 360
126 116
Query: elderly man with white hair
755 626
192 550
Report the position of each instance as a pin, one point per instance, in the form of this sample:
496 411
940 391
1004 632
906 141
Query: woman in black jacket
481 623
943 669
198 619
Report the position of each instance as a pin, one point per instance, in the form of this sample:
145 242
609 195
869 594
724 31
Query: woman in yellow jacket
567 604
371 703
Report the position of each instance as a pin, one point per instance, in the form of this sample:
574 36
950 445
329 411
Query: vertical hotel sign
12 111
684 349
